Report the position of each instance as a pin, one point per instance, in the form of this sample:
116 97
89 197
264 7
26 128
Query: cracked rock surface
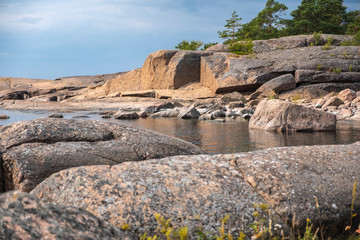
33 150
23 216
202 189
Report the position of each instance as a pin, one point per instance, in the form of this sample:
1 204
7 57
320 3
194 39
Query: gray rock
218 114
166 105
33 150
303 182
208 116
313 76
56 115
189 113
3 116
126 115
278 85
237 104
280 116
23 216
333 101
224 72
169 113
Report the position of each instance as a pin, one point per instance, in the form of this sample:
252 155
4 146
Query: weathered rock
280 84
23 216
56 115
14 94
3 116
171 69
317 90
333 101
320 102
297 183
230 97
280 116
219 48
33 150
344 114
313 76
166 105
143 114
347 95
208 116
189 113
218 114
223 72
237 104
126 115
169 113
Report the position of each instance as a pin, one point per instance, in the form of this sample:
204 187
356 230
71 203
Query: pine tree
233 25
311 16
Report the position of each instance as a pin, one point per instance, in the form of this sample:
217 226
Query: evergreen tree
269 19
352 22
233 25
311 16
267 23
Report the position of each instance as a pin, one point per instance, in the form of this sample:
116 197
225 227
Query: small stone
56 115
3 116
126 115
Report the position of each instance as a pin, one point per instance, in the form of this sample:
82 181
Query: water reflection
216 137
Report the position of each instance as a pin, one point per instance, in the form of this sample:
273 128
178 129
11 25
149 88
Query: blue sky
50 39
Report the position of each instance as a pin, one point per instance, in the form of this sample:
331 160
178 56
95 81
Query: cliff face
224 72
335 67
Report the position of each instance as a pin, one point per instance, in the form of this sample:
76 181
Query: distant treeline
326 16
312 16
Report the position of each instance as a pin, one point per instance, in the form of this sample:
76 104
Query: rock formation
23 216
33 150
281 116
297 183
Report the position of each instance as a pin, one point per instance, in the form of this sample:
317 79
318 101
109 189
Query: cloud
30 20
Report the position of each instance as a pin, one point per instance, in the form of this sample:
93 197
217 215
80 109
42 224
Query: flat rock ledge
23 216
33 150
298 183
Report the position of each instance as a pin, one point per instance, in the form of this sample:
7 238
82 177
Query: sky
56 38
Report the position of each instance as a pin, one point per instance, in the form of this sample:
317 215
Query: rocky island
107 181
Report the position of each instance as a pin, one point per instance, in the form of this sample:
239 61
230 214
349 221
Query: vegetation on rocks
186 45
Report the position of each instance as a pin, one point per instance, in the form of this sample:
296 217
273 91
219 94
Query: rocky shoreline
106 176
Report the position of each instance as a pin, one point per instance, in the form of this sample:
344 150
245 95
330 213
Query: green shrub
207 45
337 70
327 45
317 37
242 47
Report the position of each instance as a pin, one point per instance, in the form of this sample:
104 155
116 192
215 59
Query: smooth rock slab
281 116
208 187
182 188
33 150
23 216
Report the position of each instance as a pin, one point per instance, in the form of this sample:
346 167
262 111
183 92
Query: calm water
212 137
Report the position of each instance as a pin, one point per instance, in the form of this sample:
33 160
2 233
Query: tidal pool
213 137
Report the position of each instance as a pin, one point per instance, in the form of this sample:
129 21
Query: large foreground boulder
280 116
297 183
23 216
33 150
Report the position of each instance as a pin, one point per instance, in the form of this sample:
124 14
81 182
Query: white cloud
128 16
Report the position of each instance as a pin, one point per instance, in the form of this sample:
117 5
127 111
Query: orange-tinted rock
33 150
281 116
23 216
